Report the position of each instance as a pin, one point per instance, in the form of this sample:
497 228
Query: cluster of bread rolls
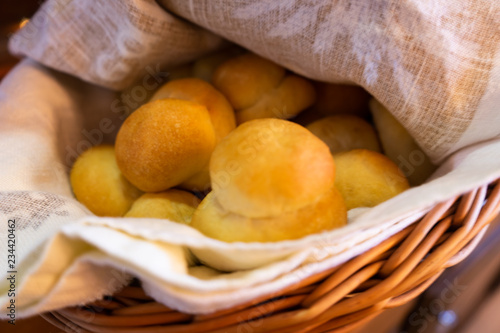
213 149
258 88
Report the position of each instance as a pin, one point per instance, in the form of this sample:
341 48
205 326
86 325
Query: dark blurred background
13 14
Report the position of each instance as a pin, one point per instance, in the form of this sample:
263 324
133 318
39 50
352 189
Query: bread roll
267 167
400 147
198 91
258 88
164 143
366 178
272 180
98 183
293 95
326 213
174 205
345 132
220 111
244 79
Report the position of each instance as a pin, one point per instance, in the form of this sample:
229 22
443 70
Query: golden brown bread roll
366 178
174 205
196 90
244 79
293 95
164 143
220 111
400 147
267 167
326 213
98 183
272 180
258 88
345 132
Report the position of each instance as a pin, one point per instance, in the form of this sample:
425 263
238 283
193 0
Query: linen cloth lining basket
336 300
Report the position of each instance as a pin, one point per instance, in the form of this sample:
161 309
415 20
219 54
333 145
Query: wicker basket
337 300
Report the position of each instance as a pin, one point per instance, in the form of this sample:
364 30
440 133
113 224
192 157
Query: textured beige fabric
435 65
110 43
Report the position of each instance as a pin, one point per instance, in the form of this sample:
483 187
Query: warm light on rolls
168 141
98 183
269 166
291 96
164 143
198 91
174 205
272 180
220 111
366 178
258 88
244 79
326 213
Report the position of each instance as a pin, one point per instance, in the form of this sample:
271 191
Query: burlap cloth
434 65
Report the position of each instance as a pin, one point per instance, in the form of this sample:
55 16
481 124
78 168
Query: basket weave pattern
337 300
